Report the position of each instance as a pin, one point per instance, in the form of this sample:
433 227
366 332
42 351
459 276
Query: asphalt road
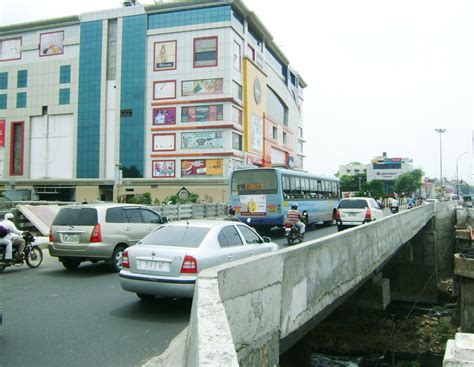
53 317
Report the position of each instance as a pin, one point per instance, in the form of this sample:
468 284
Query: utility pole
440 132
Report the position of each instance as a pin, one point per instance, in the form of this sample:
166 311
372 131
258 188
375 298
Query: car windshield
353 204
176 236
76 217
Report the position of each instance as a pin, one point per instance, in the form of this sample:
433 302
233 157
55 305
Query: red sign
2 133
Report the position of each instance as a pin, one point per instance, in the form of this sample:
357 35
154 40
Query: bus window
286 186
305 187
253 182
295 187
320 189
312 188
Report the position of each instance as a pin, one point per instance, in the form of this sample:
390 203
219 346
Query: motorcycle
292 233
32 254
394 209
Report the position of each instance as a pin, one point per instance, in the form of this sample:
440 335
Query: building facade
388 169
152 98
352 169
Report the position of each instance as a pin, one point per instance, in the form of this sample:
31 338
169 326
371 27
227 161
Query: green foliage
374 189
175 199
144 198
351 183
132 200
409 182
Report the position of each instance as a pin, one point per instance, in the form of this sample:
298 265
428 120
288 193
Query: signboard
165 56
52 43
253 204
204 86
163 169
202 167
202 140
164 116
2 133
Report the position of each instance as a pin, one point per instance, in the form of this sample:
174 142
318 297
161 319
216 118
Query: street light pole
457 172
440 131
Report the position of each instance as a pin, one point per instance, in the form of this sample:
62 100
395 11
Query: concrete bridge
251 312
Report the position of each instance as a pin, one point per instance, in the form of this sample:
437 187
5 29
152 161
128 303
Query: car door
151 219
231 244
254 243
378 213
135 229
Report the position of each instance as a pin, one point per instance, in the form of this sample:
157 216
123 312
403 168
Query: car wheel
146 297
70 264
116 264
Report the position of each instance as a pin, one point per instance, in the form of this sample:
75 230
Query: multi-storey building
144 98
352 169
388 169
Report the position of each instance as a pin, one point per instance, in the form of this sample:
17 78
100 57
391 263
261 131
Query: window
4 80
150 217
293 78
251 52
285 138
115 215
205 52
21 100
300 131
300 147
65 74
76 217
237 61
275 133
249 235
133 215
236 141
202 113
3 101
16 149
178 236
64 96
22 81
276 108
236 115
237 90
229 237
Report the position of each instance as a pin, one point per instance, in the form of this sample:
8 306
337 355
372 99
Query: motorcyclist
231 215
13 238
294 216
393 203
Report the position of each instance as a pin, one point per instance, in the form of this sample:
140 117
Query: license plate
153 265
70 238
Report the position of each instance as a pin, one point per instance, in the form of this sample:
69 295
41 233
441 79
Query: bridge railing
242 310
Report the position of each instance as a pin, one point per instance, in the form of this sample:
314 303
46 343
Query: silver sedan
166 262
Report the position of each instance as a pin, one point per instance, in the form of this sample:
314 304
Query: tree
351 183
409 182
374 189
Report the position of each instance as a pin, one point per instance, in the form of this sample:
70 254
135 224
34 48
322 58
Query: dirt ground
423 329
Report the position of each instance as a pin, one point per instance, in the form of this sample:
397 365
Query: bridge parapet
242 311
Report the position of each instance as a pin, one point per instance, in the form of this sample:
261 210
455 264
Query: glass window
177 236
231 236
236 141
4 80
353 204
22 81
3 101
251 52
275 133
237 61
254 182
64 96
249 235
133 215
150 217
21 100
236 115
76 217
202 113
276 108
115 215
237 90
205 52
65 74
285 138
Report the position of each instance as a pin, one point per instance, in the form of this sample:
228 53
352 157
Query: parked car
94 232
167 261
355 211
429 201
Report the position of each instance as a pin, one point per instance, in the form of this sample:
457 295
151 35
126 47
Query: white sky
381 75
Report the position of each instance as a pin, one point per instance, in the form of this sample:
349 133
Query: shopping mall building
150 98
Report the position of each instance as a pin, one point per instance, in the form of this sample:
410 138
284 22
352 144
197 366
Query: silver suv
93 232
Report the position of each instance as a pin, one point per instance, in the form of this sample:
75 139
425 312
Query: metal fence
191 211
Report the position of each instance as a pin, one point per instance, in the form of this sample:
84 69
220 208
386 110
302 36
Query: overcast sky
381 75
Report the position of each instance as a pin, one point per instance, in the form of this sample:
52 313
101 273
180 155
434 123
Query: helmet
294 206
9 216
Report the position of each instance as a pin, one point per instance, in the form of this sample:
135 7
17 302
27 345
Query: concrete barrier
242 310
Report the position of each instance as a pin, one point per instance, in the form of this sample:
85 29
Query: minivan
94 232
355 211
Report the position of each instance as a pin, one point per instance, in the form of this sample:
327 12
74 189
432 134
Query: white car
167 261
356 211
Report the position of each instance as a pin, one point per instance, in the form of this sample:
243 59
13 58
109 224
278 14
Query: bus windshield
254 182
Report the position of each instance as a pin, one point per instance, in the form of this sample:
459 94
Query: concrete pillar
413 270
298 355
375 294
460 351
464 268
